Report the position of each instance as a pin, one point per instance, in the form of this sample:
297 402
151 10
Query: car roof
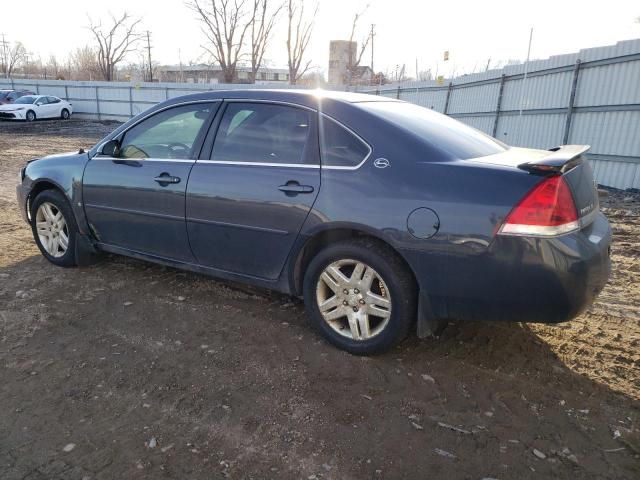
309 98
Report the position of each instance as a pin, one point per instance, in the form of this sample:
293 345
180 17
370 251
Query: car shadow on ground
148 371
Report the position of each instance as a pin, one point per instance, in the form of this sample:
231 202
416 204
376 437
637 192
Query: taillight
547 210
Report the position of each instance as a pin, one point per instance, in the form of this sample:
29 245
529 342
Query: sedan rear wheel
353 299
65 115
360 295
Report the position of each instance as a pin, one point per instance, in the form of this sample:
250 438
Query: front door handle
292 188
165 179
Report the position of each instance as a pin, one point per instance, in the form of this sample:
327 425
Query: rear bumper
525 279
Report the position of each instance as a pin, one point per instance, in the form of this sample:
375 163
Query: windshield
444 133
27 99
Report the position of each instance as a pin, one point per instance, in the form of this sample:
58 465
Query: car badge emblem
381 163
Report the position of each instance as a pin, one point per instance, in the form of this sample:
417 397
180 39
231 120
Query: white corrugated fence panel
481 98
534 131
610 133
541 91
622 175
483 123
614 84
433 99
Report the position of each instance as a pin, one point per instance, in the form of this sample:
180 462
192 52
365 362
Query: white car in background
32 107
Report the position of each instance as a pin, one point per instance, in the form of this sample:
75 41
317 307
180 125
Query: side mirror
111 149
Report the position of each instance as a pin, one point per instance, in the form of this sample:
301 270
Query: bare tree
83 64
355 55
225 24
52 68
262 24
298 36
114 42
15 55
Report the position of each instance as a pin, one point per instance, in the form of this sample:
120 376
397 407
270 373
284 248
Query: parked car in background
34 107
378 212
10 96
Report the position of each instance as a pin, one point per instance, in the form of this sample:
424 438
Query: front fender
63 172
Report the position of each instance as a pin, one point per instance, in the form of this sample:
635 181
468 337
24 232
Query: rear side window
263 133
341 147
53 100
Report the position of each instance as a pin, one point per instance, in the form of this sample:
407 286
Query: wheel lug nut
345 291
355 290
355 309
345 302
361 301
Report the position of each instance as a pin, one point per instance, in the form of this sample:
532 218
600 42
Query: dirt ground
132 370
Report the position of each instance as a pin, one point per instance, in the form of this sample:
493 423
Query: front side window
170 134
262 133
42 101
340 147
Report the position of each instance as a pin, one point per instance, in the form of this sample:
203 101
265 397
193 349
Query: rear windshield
444 133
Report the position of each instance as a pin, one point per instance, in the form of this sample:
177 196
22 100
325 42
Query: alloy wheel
52 229
353 299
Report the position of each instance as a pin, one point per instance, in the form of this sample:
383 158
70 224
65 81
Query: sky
407 31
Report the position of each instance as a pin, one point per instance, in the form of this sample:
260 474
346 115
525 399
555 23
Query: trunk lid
570 161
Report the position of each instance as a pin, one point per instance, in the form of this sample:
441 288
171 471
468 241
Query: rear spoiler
560 160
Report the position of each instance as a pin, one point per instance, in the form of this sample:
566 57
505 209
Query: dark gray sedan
383 215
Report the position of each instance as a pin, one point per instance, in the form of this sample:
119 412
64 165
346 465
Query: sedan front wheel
360 296
54 228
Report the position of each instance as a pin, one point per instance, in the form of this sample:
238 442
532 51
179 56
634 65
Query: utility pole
523 86
149 53
373 34
5 56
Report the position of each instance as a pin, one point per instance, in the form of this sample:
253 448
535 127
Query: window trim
249 164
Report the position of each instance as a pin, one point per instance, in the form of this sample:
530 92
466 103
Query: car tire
31 116
392 281
54 228
64 114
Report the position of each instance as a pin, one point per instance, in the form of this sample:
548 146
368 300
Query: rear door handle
292 188
165 179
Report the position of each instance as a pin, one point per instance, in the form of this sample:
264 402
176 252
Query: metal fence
589 97
118 100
